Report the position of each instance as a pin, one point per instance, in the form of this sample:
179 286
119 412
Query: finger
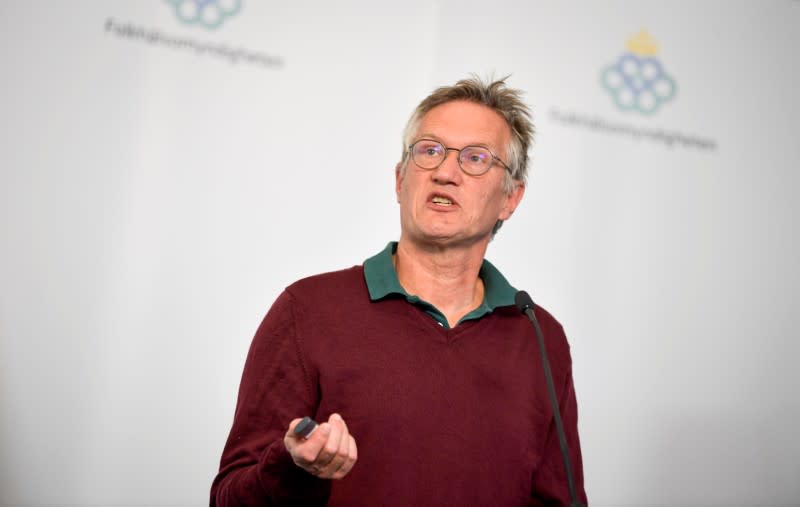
305 452
342 452
289 439
352 457
331 449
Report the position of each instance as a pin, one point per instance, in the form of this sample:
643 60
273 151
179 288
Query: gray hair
496 96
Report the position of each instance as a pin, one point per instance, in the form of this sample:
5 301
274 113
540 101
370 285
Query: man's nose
449 171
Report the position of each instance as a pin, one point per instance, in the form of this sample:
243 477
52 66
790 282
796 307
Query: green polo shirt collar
381 279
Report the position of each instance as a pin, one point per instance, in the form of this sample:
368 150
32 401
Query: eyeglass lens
430 154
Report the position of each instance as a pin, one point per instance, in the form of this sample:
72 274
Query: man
426 378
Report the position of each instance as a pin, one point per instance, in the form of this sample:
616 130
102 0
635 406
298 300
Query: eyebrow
439 139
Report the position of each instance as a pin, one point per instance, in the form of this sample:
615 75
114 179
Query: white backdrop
157 195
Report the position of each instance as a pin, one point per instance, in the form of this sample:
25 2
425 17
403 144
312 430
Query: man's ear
513 199
398 179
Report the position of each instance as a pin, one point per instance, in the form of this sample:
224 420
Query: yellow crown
642 44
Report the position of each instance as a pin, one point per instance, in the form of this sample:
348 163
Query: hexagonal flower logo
638 80
207 13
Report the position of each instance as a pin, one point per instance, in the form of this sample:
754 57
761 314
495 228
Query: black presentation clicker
305 427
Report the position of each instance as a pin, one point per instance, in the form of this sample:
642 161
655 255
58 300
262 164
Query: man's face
445 206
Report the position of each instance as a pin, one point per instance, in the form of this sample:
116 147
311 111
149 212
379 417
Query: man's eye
429 149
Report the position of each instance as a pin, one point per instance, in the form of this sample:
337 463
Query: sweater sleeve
277 386
550 485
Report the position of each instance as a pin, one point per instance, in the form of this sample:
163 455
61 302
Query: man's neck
443 276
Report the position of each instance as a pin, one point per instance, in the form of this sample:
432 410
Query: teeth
442 200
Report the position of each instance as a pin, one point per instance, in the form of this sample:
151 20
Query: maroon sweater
441 416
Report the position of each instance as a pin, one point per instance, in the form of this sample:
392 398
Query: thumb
292 425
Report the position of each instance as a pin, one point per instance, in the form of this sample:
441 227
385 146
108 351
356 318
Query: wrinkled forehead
461 123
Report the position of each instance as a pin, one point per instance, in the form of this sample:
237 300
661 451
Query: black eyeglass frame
458 157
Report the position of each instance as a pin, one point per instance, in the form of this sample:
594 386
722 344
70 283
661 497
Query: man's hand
329 453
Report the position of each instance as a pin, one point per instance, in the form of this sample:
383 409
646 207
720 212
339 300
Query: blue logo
638 81
208 13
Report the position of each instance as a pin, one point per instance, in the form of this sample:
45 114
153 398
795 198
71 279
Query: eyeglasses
473 160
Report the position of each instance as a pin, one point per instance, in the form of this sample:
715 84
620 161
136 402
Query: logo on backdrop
638 80
639 85
208 13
